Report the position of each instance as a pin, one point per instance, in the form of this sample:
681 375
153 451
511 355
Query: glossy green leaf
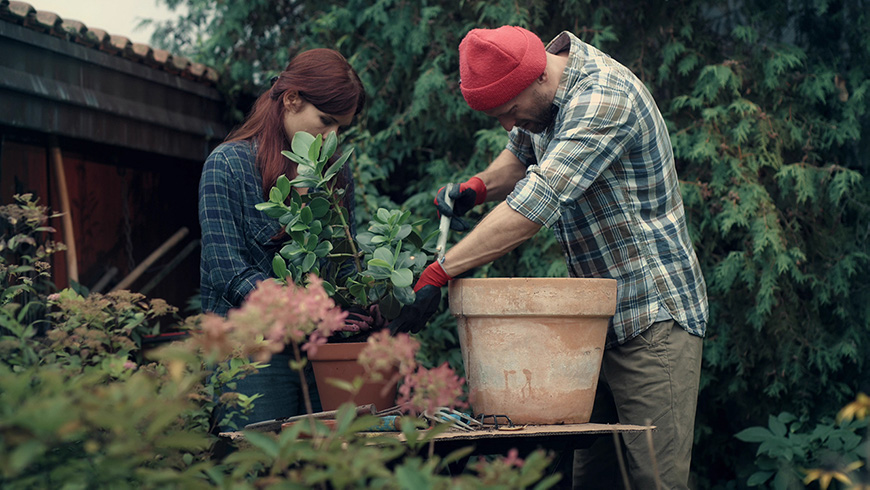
322 249
384 254
340 162
283 184
336 167
314 149
358 291
288 218
298 159
330 144
403 232
402 278
316 227
319 207
379 263
279 267
298 226
301 143
308 262
306 215
305 181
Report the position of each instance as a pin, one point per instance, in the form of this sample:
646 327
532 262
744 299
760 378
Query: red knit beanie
495 65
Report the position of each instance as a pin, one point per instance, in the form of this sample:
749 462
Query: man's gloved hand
465 196
433 275
414 317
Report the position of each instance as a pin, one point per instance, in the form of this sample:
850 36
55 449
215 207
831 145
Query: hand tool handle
444 226
273 425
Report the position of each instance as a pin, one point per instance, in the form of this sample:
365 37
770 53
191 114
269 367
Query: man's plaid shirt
237 245
602 177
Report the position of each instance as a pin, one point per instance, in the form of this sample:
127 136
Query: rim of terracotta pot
338 352
533 296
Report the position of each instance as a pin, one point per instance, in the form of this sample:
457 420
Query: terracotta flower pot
532 347
339 361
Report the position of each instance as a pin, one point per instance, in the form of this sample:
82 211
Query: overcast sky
113 16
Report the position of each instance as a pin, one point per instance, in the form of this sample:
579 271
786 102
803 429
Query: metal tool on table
444 226
455 418
276 424
482 418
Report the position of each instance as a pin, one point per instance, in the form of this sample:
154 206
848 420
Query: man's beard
543 116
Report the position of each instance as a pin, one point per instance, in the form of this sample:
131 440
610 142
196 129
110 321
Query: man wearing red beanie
589 156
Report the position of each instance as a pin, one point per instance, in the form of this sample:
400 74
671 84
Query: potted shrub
370 272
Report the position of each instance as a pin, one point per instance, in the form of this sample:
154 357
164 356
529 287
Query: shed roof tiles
24 14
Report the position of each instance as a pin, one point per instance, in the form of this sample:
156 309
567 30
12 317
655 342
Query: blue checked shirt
602 177
237 246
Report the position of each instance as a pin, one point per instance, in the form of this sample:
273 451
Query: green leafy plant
377 266
84 405
792 452
24 253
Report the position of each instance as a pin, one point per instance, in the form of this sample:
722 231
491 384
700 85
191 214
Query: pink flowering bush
273 316
427 389
422 390
84 405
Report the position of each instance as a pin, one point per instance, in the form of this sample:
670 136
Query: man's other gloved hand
433 275
465 196
414 317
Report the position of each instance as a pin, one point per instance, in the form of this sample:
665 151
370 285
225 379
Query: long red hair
322 77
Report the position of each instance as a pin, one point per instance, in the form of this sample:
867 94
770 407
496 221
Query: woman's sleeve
227 267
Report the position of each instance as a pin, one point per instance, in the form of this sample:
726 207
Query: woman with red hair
318 92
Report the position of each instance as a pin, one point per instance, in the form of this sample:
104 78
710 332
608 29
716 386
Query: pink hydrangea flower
385 351
272 316
427 389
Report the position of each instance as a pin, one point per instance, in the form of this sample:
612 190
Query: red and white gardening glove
427 290
433 275
465 196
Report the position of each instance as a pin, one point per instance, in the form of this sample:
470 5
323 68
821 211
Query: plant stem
304 383
347 234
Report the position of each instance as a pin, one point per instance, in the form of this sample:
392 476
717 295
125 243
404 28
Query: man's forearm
498 233
502 175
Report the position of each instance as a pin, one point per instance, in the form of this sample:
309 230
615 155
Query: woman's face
300 115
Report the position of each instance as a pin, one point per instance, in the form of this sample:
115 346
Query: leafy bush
85 406
377 266
792 452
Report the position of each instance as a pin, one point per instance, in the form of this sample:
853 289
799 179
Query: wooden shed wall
120 215
133 125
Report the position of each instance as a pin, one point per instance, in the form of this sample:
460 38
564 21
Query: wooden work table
528 437
490 440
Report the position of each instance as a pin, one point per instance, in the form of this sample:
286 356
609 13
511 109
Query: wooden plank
530 431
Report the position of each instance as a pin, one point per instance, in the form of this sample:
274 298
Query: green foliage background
767 103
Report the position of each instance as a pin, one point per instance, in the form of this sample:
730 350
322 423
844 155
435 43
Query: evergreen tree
767 104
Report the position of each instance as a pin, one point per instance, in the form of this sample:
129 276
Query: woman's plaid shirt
602 177
237 245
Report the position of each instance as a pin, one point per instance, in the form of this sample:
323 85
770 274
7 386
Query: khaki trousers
651 379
